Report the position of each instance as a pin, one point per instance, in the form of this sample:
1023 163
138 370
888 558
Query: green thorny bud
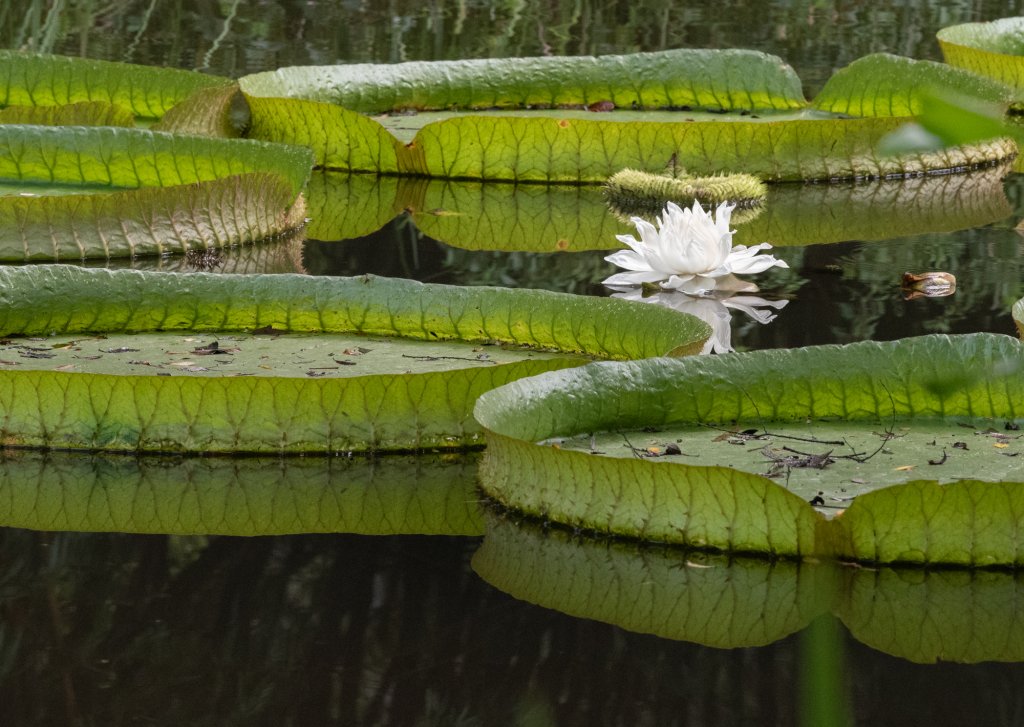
634 192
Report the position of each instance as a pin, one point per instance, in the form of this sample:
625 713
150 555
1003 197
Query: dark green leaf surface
429 495
715 79
306 414
28 79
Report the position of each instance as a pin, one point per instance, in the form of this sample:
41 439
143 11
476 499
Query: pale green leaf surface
340 139
715 79
886 85
405 126
196 192
82 113
711 600
429 495
994 50
43 80
549 150
975 377
967 523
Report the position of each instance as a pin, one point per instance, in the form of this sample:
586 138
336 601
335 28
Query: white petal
629 260
637 245
746 260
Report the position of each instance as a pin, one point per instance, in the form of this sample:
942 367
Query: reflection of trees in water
340 629
814 36
114 629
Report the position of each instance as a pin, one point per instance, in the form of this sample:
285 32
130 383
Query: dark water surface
401 629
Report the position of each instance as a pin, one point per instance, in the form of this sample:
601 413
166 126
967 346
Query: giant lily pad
570 146
191 192
714 79
323 393
830 422
994 50
886 85
729 602
524 148
427 494
28 79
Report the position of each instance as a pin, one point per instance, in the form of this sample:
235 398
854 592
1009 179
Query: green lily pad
713 79
809 405
159 404
195 192
886 85
55 491
570 145
992 50
730 602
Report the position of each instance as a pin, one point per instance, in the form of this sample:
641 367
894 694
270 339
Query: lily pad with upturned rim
972 379
308 413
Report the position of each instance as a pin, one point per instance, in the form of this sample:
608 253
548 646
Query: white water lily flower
690 251
715 310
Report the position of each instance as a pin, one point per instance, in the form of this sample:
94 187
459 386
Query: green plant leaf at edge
729 509
286 415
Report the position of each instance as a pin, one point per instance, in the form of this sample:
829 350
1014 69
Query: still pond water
399 629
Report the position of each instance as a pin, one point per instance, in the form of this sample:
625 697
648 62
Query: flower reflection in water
715 310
